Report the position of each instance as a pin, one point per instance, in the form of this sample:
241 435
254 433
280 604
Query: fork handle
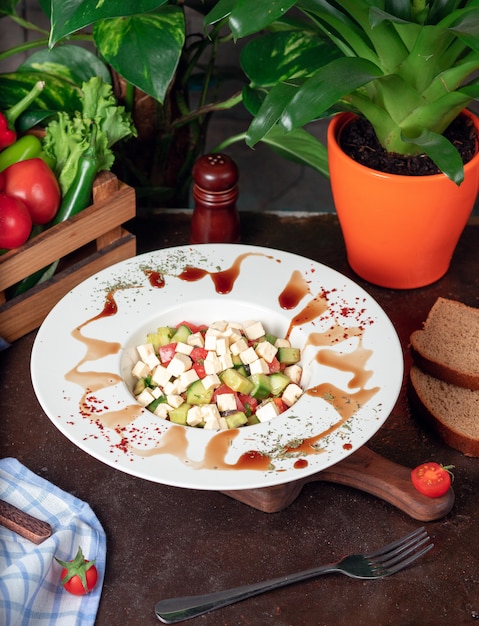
173 610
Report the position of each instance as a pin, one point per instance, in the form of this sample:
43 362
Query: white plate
84 350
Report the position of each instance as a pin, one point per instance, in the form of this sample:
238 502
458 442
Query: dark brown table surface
165 541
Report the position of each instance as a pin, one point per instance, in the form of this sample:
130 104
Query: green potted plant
402 71
156 61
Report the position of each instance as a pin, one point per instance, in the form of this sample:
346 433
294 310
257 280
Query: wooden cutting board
364 470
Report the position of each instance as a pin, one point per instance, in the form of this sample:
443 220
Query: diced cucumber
197 394
261 386
161 337
235 420
154 405
278 382
140 386
182 333
271 338
178 415
252 420
289 356
236 381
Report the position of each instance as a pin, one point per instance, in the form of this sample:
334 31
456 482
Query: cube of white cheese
226 402
211 381
173 387
248 356
140 370
145 351
282 343
253 330
188 377
222 346
210 416
267 411
152 361
294 373
179 364
162 410
291 394
156 392
184 348
174 400
160 375
259 367
194 416
196 340
238 346
266 350
145 397
220 325
210 342
212 363
226 361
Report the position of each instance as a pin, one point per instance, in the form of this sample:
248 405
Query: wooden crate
86 243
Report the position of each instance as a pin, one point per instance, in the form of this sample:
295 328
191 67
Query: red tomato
199 369
15 222
248 403
198 354
274 366
166 353
33 182
79 576
431 479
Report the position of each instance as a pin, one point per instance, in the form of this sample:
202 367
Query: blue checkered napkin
30 589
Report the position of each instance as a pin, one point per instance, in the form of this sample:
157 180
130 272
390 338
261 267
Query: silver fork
384 562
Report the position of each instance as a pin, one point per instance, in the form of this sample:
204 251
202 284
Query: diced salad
221 376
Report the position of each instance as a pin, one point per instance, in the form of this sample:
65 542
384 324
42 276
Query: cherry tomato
431 479
15 222
33 182
79 576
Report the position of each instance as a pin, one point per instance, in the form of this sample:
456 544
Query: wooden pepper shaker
215 191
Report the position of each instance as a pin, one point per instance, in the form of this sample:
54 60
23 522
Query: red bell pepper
8 134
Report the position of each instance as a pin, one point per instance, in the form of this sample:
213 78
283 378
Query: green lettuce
68 136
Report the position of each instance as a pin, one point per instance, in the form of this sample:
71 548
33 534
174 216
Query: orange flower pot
399 231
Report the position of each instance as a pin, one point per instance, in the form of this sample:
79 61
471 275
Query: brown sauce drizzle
223 280
296 289
174 440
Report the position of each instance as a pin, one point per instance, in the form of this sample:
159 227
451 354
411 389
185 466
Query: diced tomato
166 353
198 354
192 327
195 328
222 389
280 404
274 366
199 369
248 404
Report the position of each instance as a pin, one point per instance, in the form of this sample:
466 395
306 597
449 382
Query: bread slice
452 411
448 345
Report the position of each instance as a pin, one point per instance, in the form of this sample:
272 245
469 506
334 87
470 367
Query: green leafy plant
165 74
408 67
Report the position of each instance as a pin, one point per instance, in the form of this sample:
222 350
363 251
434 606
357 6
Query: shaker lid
215 172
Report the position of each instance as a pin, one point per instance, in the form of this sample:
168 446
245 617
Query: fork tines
401 553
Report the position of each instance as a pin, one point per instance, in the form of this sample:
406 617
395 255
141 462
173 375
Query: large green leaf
73 15
320 92
72 63
442 152
251 16
299 146
281 55
219 12
270 112
144 49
